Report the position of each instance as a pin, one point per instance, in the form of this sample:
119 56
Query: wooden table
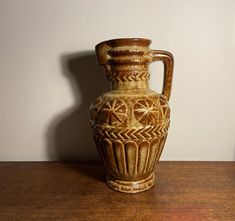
56 191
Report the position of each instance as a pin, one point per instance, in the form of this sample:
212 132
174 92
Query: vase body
130 122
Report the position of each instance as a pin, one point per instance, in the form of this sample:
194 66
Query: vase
130 121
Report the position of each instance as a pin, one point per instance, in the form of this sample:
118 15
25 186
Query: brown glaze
130 122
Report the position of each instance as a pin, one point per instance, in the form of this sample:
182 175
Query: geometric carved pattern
129 152
147 132
130 133
164 108
113 112
146 111
129 76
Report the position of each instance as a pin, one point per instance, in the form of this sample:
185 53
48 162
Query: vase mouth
126 42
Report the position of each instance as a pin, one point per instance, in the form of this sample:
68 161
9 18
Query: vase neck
127 76
129 85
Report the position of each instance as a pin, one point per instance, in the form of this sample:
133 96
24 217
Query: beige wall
44 105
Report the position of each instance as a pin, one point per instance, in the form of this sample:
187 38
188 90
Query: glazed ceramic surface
130 122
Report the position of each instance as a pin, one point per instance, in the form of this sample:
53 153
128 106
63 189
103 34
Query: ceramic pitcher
130 122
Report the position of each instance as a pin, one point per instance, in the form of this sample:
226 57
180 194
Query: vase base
131 186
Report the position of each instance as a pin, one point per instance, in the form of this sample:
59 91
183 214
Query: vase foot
131 186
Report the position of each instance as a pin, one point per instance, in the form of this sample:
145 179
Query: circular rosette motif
113 112
146 111
164 108
95 108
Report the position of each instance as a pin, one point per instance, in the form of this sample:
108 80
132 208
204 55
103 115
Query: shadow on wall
69 135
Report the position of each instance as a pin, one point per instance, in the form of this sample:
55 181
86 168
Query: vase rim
126 41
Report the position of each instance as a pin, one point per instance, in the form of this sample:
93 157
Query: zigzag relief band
131 133
129 76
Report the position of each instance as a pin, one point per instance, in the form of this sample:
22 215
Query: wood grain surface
45 191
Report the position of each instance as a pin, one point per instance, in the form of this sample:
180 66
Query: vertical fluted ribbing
161 145
154 146
131 149
111 158
101 151
143 151
129 158
120 155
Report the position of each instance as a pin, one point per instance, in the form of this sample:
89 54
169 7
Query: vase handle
168 62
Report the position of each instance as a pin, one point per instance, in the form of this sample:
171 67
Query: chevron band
129 76
147 132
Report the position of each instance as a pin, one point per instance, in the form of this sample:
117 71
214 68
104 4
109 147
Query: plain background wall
48 73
